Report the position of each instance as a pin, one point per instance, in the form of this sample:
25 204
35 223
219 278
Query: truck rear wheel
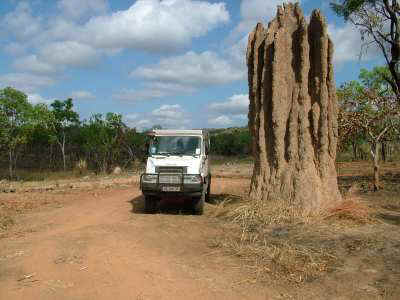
198 205
150 204
208 189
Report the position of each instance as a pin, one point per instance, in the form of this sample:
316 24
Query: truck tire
208 189
198 205
150 204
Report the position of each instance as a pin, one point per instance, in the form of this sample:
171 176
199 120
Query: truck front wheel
150 204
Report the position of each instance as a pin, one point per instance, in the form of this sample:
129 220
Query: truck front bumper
174 186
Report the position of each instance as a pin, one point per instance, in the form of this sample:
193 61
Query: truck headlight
192 179
149 178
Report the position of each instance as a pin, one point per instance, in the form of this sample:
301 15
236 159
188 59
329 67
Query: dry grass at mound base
278 244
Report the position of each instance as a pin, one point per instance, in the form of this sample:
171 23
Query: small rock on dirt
117 171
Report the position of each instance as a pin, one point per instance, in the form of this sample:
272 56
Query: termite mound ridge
293 111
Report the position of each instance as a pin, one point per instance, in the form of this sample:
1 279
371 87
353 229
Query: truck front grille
171 170
170 178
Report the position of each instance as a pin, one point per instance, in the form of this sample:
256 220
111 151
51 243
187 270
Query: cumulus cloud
347 41
21 23
167 115
252 12
236 105
82 95
64 40
171 112
25 81
69 53
76 9
233 111
259 10
221 121
151 90
31 63
36 99
15 48
181 75
154 25
184 74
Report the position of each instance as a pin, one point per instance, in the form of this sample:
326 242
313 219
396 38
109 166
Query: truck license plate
171 188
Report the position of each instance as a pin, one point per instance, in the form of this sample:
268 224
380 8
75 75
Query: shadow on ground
172 206
220 198
391 181
180 206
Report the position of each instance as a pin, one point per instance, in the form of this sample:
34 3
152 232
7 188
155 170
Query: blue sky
178 63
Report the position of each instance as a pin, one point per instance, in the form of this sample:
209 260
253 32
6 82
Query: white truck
177 167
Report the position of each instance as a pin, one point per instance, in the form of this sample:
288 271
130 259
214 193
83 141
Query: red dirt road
99 245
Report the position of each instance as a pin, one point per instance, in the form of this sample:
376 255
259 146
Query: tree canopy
378 23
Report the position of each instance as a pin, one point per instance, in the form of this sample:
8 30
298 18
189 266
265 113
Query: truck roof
178 132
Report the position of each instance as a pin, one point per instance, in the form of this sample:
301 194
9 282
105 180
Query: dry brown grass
277 243
269 238
352 208
6 220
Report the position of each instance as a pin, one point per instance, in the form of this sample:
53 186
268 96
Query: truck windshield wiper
163 153
177 153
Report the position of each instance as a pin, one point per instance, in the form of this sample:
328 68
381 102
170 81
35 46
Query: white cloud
137 95
237 53
167 115
252 12
32 64
143 124
154 25
36 98
25 82
171 112
236 105
151 90
259 10
347 41
69 53
66 40
21 23
181 75
132 116
82 95
191 69
221 120
230 112
76 9
14 48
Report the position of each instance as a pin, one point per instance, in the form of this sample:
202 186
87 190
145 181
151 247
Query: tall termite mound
293 111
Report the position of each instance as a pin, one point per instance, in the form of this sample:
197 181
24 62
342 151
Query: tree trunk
10 163
376 149
354 145
383 151
293 112
62 147
63 155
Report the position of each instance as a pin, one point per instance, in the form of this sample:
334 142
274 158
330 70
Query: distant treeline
53 137
230 142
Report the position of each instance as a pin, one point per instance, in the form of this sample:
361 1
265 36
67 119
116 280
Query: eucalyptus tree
368 110
15 113
379 25
62 119
103 139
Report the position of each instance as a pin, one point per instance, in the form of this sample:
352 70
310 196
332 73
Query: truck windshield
175 145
